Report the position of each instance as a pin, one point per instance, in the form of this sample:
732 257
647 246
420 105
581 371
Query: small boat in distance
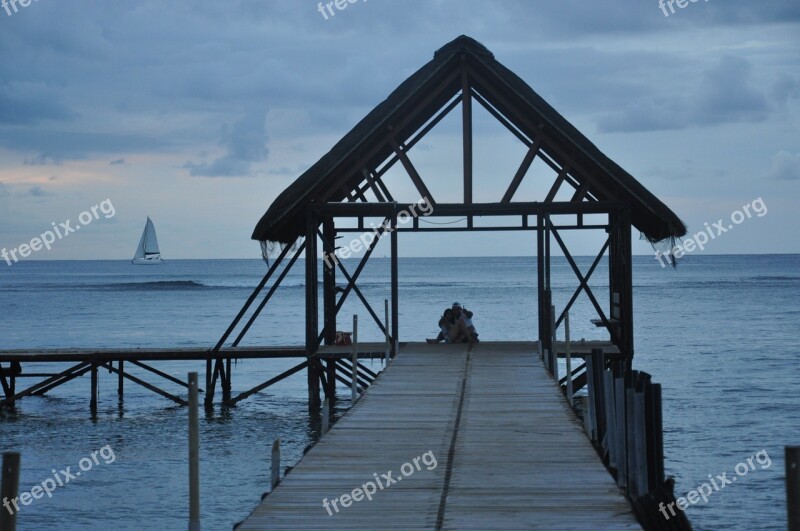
147 253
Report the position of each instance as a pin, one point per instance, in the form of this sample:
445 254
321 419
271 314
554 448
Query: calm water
720 334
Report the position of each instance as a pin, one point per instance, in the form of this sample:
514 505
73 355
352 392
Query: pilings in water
623 419
792 454
9 490
194 455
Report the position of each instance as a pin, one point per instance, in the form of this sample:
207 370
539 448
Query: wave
776 278
157 285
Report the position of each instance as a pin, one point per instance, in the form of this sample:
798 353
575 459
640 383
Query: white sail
147 252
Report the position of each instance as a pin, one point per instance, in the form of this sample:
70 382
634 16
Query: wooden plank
523 169
502 473
412 172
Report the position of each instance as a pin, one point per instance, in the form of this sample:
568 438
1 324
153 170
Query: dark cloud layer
116 77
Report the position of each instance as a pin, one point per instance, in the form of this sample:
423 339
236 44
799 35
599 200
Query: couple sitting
456 326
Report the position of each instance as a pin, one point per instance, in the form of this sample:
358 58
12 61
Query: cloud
284 171
37 191
725 94
118 162
55 146
245 143
29 110
786 88
785 166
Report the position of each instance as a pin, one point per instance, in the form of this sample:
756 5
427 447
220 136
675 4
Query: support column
93 401
543 275
466 108
121 379
226 381
312 312
329 300
208 402
395 289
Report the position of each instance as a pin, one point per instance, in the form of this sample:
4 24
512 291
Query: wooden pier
510 453
14 365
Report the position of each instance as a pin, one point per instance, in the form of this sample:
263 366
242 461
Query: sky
199 113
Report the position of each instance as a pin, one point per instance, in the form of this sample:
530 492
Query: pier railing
623 418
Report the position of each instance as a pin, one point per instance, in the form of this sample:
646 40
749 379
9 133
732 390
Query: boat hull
147 261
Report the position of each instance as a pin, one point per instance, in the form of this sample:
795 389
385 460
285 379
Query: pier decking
509 452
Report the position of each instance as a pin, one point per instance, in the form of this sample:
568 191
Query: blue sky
198 113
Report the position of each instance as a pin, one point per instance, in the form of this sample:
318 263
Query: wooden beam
412 172
500 118
417 137
269 294
523 169
466 115
562 175
371 182
271 381
159 373
580 193
395 286
251 299
312 319
537 131
329 280
351 280
373 209
146 385
390 134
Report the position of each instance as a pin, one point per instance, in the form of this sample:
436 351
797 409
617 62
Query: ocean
719 333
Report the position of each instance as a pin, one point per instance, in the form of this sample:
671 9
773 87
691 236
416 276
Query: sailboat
147 253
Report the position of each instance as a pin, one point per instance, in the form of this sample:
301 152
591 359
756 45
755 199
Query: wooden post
226 382
792 454
387 355
395 284
312 317
354 384
619 439
326 412
330 378
466 108
569 359
194 455
599 363
554 351
640 438
591 390
15 369
9 490
610 412
587 425
630 430
121 379
209 399
275 476
93 401
329 279
658 428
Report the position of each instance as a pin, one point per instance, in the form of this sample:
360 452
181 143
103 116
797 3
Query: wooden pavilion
348 183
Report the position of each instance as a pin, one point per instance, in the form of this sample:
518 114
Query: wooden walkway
509 453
